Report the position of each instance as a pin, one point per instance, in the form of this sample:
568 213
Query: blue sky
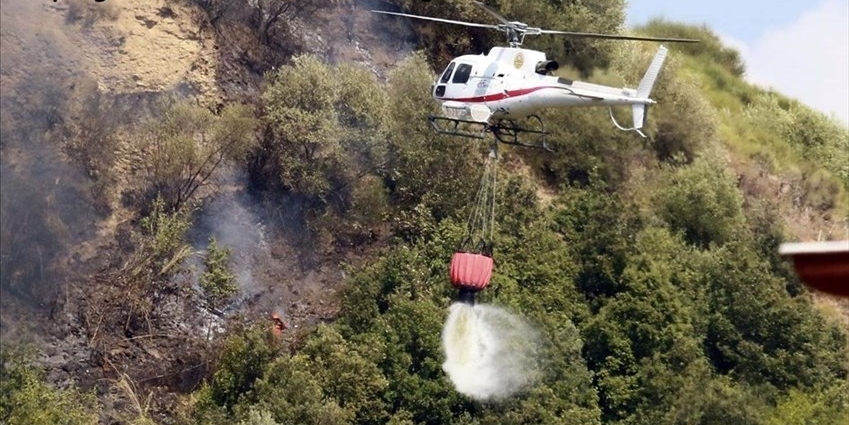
744 20
800 48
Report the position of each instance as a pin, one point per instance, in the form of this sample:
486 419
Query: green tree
291 392
349 374
218 281
757 333
329 125
427 175
181 150
325 142
259 417
702 201
717 401
598 228
299 106
828 406
683 123
647 325
244 359
588 149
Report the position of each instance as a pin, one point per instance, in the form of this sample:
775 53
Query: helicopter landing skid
508 132
505 131
458 127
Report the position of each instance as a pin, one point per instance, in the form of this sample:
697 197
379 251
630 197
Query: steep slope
652 274
788 158
648 266
79 81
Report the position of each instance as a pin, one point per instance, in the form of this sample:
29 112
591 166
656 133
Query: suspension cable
480 227
493 155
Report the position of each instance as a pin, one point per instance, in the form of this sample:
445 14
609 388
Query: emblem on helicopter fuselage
519 60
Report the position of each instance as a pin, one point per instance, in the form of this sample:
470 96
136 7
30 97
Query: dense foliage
649 272
661 304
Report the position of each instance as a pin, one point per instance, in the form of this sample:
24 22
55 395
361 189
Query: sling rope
480 227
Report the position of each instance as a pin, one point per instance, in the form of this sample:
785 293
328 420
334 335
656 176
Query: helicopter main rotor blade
618 37
447 21
492 12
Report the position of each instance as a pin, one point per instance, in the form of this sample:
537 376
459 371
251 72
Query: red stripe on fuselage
499 96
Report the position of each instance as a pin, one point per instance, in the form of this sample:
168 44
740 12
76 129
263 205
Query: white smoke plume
231 218
490 354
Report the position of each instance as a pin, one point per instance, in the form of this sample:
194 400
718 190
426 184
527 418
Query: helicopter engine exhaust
547 67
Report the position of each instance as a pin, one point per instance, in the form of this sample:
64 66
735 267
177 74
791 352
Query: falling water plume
490 353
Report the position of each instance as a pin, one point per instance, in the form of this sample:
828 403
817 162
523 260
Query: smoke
231 218
271 248
490 353
353 34
44 204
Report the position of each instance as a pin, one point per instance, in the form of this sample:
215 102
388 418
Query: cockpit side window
462 74
447 74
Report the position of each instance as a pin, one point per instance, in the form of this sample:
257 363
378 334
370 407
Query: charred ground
78 78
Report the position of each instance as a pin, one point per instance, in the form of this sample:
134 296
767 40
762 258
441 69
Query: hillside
174 173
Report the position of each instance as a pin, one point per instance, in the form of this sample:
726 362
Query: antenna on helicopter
516 31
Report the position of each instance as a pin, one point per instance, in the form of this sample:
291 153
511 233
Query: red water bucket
470 271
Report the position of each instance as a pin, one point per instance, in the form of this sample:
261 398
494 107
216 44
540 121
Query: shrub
798 129
703 202
217 281
181 150
134 291
821 190
25 398
92 127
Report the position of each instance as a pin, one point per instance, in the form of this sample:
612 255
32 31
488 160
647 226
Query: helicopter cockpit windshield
461 76
446 76
457 73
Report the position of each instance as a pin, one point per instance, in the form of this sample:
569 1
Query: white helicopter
488 93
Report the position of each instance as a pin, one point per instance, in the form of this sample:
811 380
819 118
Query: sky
799 48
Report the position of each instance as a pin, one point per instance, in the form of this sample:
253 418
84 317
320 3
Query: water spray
490 354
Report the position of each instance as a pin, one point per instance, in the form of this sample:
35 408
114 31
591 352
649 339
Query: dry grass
126 388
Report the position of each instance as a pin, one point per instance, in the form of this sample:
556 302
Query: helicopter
491 93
